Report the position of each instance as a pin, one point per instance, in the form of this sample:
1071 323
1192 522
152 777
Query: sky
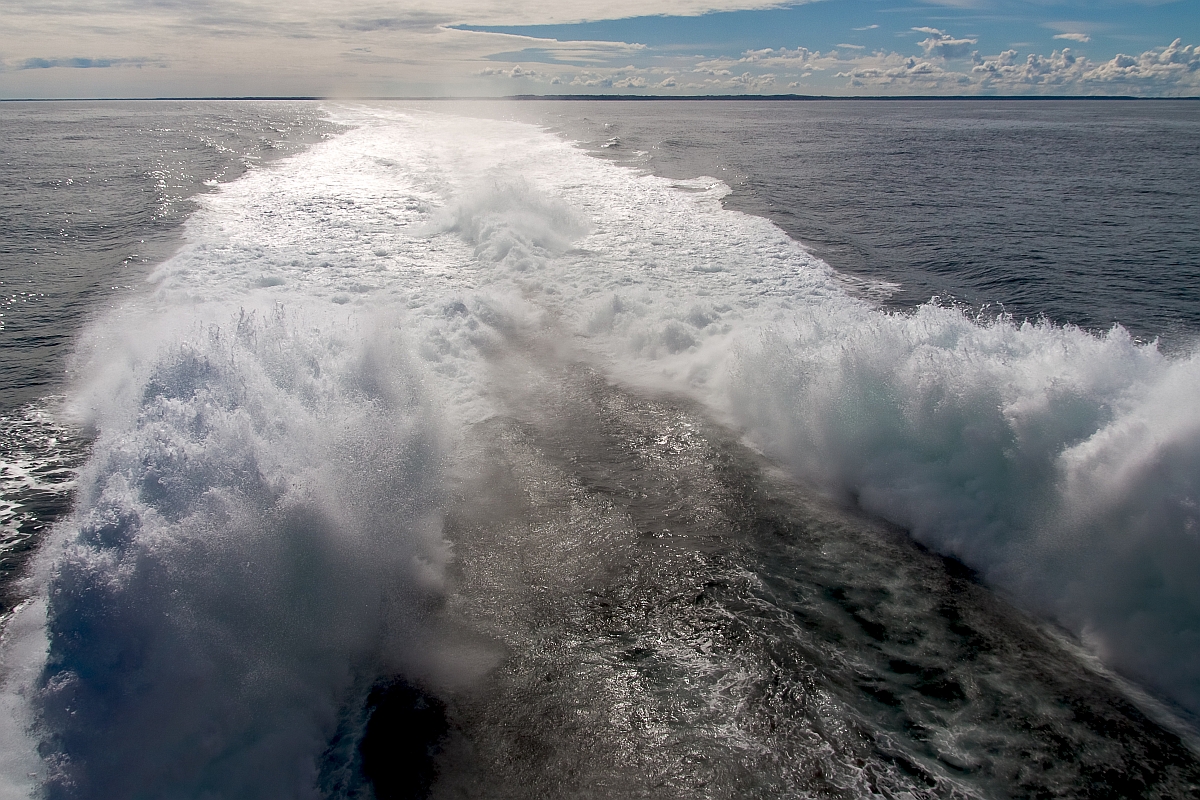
205 48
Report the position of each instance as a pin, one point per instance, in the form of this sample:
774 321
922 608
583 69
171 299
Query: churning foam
259 520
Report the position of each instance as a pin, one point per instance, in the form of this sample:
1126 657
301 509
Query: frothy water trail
255 529
283 419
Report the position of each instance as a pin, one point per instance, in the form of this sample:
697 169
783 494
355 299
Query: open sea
600 449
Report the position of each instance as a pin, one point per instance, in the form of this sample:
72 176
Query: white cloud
698 80
1074 37
894 71
1174 69
244 47
943 45
867 28
1170 70
516 71
330 47
1175 66
623 78
580 52
765 58
1087 27
753 83
370 14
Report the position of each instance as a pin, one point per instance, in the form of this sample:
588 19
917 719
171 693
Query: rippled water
677 620
92 195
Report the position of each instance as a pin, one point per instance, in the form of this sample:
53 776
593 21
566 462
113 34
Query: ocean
600 449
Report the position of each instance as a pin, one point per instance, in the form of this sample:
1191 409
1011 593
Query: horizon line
609 97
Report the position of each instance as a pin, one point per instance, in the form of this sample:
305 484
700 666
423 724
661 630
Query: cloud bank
373 48
1170 70
942 68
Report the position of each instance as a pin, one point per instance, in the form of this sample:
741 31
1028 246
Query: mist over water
444 459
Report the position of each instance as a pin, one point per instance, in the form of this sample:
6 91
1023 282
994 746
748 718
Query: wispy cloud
295 47
1074 37
331 13
413 21
943 45
582 52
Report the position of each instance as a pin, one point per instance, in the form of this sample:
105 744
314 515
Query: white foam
22 656
38 457
1061 465
253 532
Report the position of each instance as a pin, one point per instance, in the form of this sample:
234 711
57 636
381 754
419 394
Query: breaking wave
255 530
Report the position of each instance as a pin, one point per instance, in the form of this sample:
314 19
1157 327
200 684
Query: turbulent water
446 459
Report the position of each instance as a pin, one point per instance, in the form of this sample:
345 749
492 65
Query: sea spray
1061 465
253 535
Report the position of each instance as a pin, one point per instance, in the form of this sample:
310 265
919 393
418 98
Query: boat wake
444 439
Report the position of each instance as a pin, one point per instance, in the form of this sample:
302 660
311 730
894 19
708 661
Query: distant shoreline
625 97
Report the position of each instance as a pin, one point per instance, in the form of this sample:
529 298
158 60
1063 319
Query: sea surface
600 449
